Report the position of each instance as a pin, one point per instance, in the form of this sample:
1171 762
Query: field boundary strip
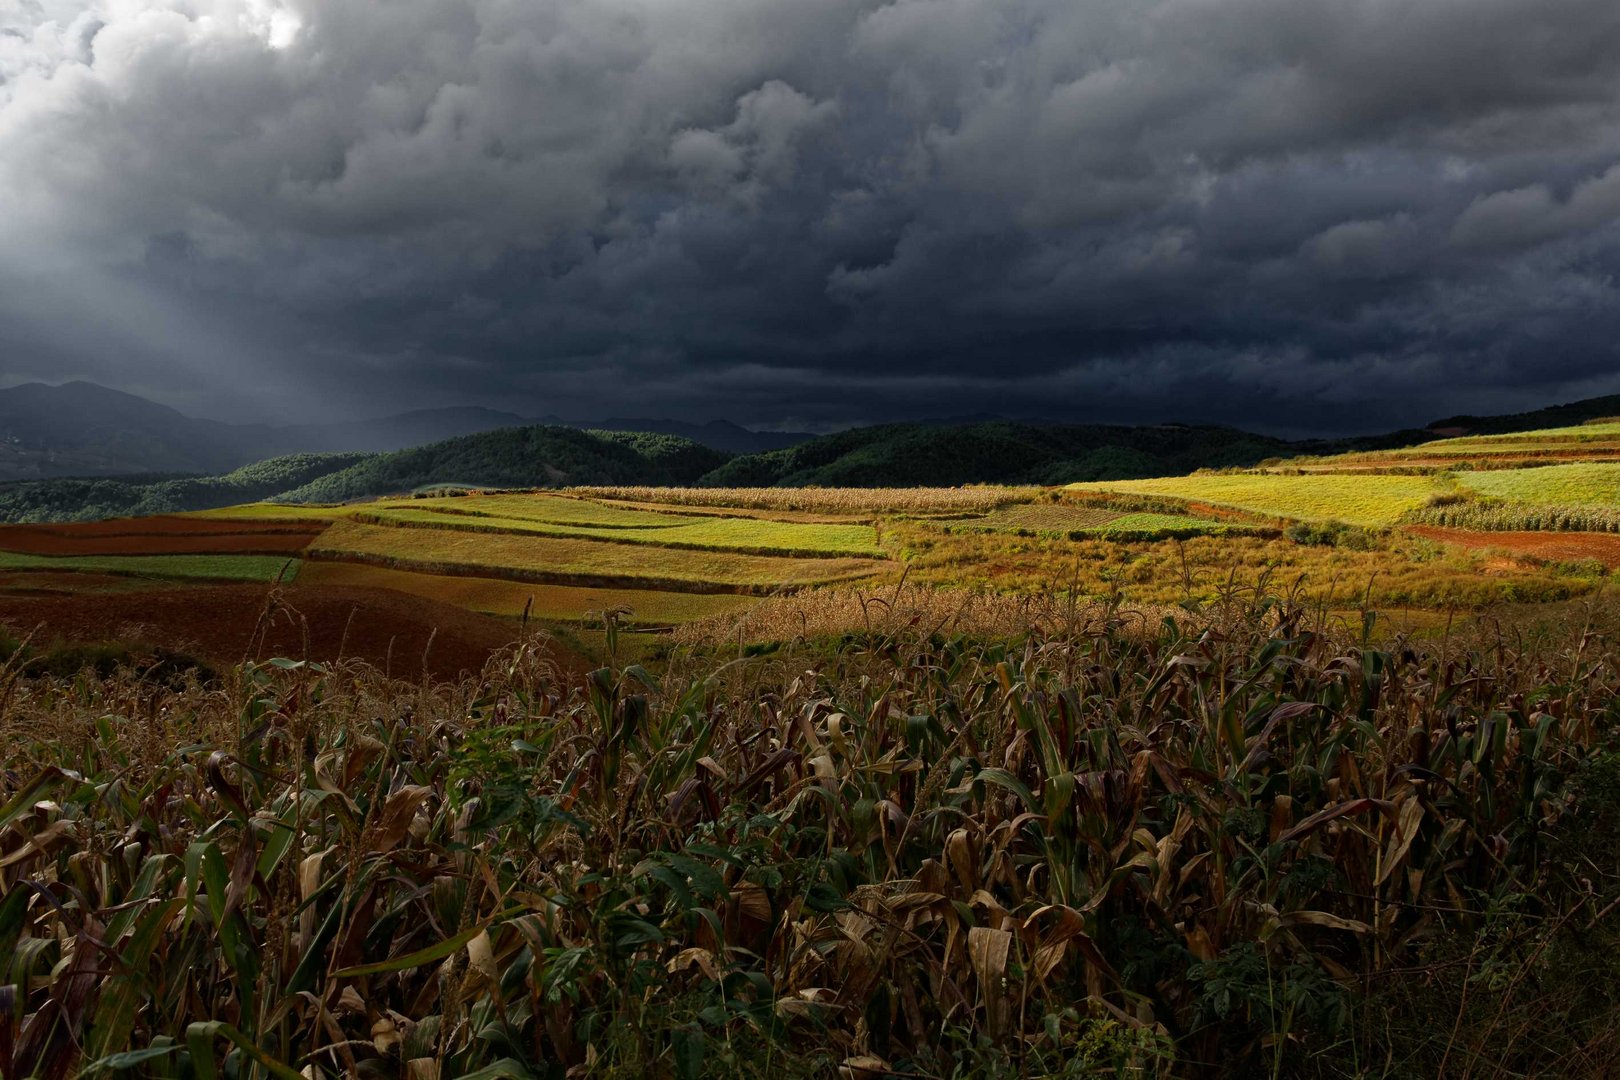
876 501
454 512
756 513
555 531
578 580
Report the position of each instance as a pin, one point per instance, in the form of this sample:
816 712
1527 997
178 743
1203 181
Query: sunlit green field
1368 500
1168 524
1550 485
212 567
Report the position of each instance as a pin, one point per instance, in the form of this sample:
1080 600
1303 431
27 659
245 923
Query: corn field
1255 847
1494 516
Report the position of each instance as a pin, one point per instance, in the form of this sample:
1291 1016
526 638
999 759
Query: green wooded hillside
906 455
91 499
518 457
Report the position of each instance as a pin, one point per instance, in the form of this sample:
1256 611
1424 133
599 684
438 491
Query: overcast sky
1285 214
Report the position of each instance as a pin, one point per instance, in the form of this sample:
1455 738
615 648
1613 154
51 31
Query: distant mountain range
84 430
89 429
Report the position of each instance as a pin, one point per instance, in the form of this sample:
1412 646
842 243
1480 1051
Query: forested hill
1567 415
509 457
896 455
901 455
92 498
520 457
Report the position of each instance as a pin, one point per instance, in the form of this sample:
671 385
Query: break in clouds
1288 214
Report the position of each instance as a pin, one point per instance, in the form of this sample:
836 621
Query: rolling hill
125 430
538 456
928 455
79 429
92 498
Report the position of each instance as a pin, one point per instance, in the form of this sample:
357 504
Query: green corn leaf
415 959
200 1039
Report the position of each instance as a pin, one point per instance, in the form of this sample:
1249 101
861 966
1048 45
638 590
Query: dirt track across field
1552 546
222 624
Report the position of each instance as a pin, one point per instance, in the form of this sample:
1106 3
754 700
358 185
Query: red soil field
1552 546
219 624
158 536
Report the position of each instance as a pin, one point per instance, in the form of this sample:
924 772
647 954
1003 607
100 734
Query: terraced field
1590 484
1367 500
554 509
749 536
546 603
157 536
1586 443
550 559
963 500
209 567
666 558
578 561
1062 520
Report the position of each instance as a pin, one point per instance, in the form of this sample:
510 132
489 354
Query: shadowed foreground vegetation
1127 846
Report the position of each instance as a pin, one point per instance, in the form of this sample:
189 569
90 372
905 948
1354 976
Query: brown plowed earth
1551 546
220 624
158 536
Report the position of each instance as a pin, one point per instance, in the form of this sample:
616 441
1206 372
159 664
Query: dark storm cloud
1286 213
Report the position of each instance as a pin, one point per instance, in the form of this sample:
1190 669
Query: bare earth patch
158 536
1550 546
220 623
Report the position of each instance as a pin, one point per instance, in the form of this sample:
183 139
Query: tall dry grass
1256 847
909 609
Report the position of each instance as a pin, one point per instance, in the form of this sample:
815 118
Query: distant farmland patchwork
660 558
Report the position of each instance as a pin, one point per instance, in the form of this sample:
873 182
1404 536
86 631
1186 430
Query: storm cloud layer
1345 214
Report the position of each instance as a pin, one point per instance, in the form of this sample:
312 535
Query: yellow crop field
690 510
496 596
579 561
1371 500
